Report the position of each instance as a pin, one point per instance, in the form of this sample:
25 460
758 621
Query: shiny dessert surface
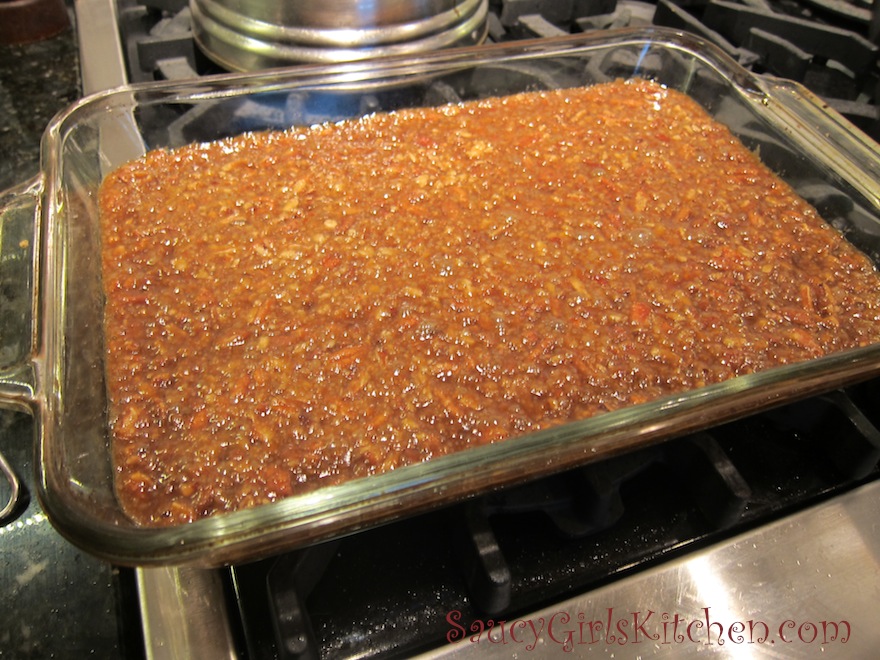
292 309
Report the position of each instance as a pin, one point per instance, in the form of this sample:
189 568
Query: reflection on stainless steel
813 579
184 614
100 48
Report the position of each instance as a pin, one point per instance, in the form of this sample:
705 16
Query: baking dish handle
19 234
19 227
847 150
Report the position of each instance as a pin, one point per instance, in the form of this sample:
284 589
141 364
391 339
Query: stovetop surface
57 602
510 554
65 604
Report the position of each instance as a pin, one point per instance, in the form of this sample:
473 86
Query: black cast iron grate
828 45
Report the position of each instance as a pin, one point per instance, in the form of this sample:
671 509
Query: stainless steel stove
758 538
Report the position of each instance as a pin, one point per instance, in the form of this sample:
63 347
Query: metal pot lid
263 39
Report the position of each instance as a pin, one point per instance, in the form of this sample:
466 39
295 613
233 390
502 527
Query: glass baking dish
54 364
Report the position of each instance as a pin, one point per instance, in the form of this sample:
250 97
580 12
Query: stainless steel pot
249 35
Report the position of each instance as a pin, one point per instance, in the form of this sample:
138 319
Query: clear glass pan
58 374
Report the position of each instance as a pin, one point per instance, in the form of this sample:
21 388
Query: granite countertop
57 602
36 81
